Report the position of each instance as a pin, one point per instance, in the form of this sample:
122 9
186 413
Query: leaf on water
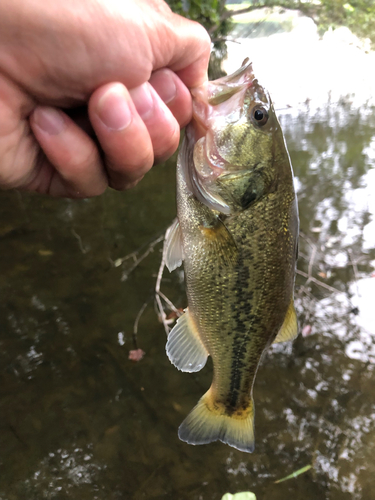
177 407
294 474
306 330
244 495
45 253
136 355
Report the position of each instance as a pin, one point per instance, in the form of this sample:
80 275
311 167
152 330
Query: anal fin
185 349
289 329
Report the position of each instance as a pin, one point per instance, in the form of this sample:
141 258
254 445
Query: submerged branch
162 315
318 282
159 295
135 327
79 239
142 257
137 259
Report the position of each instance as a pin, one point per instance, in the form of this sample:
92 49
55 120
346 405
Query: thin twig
170 303
306 238
160 295
318 282
355 269
311 262
135 327
79 239
138 260
162 315
306 291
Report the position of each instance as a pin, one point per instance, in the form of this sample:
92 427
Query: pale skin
127 64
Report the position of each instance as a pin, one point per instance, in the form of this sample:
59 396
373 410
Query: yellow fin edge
289 329
205 424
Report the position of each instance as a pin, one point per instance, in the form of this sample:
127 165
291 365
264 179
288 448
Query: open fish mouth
227 86
217 92
221 105
222 97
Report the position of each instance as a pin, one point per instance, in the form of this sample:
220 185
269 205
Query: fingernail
143 100
113 108
164 85
50 120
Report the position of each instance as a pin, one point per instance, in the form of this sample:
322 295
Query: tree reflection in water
79 420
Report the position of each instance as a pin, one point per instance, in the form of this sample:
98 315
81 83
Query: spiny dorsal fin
289 329
172 250
185 349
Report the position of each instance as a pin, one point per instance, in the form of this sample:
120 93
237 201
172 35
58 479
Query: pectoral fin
219 242
289 329
185 349
172 250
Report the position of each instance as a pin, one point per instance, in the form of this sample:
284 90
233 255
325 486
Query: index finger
180 44
191 52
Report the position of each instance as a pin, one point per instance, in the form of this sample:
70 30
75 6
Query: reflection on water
79 420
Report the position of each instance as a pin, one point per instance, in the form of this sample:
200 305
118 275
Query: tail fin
207 422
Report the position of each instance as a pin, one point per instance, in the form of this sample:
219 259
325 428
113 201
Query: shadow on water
78 420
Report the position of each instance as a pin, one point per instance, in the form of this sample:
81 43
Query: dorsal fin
185 349
289 329
172 250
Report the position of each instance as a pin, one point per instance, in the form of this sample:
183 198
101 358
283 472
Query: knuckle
126 175
168 142
83 158
143 162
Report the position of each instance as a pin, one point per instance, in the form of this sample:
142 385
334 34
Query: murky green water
78 420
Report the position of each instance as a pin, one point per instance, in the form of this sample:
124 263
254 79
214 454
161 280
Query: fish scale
238 231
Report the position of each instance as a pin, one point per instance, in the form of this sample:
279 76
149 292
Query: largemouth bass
236 233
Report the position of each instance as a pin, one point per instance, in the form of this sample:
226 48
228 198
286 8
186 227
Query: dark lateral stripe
237 371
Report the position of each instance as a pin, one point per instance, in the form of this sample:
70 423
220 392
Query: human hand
131 63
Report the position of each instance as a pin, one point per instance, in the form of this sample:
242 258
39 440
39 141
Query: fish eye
259 116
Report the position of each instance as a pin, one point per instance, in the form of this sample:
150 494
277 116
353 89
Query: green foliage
357 15
213 15
206 12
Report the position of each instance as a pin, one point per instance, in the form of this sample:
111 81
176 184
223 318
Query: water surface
79 420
